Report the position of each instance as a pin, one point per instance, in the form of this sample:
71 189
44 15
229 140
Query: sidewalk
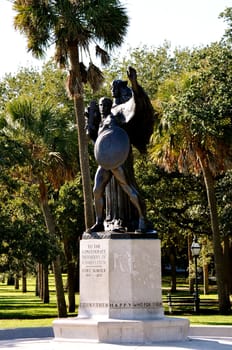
200 338
50 344
27 332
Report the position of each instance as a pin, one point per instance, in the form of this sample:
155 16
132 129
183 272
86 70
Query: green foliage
176 206
69 211
195 111
38 141
190 91
224 195
41 87
152 65
227 16
195 132
24 239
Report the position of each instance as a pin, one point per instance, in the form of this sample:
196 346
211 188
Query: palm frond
104 56
22 111
83 71
33 19
56 156
73 86
61 55
95 77
109 23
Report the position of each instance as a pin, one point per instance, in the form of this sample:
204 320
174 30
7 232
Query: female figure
117 129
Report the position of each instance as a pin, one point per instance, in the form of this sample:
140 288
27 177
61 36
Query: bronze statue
118 126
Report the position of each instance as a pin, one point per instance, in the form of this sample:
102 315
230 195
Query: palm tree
73 26
195 132
41 133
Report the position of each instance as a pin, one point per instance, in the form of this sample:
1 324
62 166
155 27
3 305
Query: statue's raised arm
140 127
136 108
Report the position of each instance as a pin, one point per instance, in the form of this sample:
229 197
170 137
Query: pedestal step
121 331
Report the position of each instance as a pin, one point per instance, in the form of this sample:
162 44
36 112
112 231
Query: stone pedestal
120 278
120 295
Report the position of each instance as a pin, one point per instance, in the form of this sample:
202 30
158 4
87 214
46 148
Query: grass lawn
208 314
18 323
19 309
210 320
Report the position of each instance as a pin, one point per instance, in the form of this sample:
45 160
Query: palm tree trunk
70 275
230 265
45 284
40 280
24 279
227 264
223 296
16 281
84 162
61 304
82 137
11 279
172 259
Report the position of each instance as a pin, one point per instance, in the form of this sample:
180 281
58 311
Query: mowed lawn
19 309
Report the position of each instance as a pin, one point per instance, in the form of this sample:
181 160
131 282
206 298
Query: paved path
26 332
200 338
50 344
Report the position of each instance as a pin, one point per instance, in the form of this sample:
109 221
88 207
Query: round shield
112 148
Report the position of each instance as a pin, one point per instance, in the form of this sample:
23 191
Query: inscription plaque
93 261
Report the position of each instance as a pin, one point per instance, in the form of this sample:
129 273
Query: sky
183 23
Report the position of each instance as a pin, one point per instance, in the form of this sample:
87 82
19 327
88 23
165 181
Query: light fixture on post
195 250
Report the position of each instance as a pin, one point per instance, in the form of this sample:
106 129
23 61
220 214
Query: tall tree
57 135
45 135
224 195
195 131
73 25
69 211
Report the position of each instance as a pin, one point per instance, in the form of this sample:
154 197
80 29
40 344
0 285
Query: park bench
177 303
186 304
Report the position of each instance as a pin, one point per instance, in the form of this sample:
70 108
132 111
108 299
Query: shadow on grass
24 306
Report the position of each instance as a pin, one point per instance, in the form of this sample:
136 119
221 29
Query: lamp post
195 250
